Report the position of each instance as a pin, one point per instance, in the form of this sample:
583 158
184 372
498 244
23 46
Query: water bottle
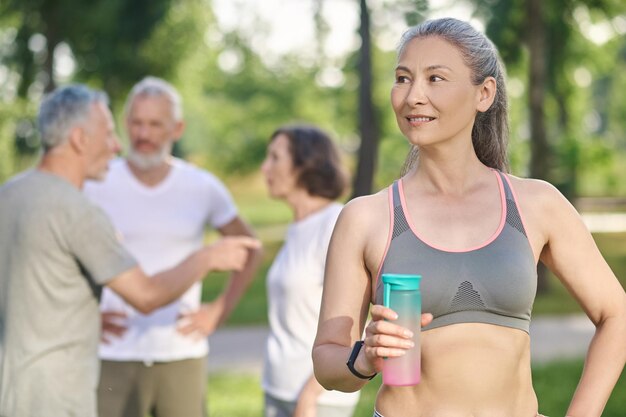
402 294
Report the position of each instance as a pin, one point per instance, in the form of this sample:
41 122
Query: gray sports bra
495 283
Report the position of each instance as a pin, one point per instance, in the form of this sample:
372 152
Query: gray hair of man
490 133
156 87
63 109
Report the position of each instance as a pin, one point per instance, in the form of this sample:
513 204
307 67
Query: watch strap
353 355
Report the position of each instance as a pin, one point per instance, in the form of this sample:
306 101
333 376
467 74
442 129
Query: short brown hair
315 159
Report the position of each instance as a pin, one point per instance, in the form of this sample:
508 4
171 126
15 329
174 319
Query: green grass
240 395
235 395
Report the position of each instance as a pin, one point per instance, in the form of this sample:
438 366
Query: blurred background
244 67
247 66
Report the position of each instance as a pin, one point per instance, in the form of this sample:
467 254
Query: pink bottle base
403 381
403 371
403 384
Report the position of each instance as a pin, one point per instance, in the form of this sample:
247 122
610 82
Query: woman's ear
487 94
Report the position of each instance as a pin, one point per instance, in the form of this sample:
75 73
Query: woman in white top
302 168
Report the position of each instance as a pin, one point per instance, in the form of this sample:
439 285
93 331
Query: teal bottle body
402 294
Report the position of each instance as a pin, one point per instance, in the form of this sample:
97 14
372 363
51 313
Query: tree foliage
559 132
234 98
113 43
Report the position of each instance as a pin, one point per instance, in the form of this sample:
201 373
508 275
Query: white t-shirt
294 286
160 226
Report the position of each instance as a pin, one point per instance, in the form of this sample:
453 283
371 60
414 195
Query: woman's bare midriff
468 370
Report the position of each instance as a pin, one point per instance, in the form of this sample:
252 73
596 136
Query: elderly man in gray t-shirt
57 250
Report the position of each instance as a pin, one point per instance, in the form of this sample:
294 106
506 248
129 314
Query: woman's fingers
384 338
383 346
384 352
380 312
382 327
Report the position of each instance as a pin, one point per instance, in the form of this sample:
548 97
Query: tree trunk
368 126
48 65
25 57
50 13
539 147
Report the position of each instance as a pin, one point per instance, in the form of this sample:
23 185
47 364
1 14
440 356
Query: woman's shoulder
539 197
367 205
539 191
364 224
362 211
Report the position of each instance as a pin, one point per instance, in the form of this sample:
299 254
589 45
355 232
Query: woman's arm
571 253
345 300
355 250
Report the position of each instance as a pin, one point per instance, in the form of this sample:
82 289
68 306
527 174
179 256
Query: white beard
146 162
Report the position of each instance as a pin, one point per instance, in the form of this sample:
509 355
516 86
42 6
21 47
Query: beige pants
163 389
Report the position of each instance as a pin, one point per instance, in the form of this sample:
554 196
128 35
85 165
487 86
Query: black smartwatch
355 352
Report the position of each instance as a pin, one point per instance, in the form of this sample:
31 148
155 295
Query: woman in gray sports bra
475 234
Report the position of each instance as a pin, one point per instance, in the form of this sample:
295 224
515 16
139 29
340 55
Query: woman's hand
384 339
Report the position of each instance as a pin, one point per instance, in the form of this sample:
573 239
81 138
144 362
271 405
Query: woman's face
432 96
278 169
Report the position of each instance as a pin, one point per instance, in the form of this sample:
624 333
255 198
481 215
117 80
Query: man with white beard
161 205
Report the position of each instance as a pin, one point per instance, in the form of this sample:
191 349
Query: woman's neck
304 204
451 174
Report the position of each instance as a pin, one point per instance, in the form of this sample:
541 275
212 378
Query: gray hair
156 87
490 133
63 109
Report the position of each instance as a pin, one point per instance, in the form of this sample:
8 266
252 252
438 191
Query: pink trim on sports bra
382 260
491 239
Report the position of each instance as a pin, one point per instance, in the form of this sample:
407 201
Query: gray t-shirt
56 251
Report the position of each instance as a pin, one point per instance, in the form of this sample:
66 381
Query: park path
240 349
